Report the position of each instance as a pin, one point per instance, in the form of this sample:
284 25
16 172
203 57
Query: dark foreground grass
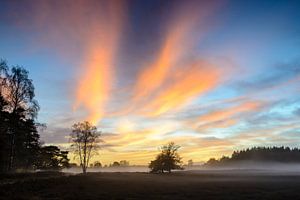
150 186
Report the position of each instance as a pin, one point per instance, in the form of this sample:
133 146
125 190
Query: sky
211 76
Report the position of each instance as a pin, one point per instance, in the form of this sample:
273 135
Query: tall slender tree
4 119
20 97
4 144
17 99
85 139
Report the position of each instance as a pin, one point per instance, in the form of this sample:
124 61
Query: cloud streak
95 84
169 81
186 83
88 32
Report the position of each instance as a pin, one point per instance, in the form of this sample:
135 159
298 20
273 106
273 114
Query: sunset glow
150 72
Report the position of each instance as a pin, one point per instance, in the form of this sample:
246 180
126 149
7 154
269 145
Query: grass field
179 185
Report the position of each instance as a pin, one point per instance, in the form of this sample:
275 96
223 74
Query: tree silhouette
52 158
4 119
85 139
190 163
124 163
97 164
19 139
115 164
4 139
167 160
19 110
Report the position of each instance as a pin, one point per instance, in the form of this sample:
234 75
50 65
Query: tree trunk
11 156
84 158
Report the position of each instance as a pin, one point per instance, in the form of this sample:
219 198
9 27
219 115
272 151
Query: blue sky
212 76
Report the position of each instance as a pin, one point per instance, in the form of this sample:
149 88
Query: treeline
20 145
259 154
97 164
122 163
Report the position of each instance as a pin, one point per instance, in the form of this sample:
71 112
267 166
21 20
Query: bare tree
85 139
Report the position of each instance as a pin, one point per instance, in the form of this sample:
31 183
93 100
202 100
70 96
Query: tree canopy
52 158
167 160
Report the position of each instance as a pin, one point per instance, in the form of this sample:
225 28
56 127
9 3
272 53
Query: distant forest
259 154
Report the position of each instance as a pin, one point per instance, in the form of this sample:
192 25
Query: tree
85 139
52 158
27 144
124 163
20 145
157 165
19 93
167 160
18 111
115 164
4 118
4 139
190 163
97 164
212 162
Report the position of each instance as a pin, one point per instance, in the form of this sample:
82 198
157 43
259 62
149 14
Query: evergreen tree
19 139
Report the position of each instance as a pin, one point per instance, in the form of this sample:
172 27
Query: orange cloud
186 84
102 44
129 136
225 117
177 43
85 33
155 74
219 124
231 112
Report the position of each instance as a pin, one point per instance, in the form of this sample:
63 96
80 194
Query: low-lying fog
108 169
236 168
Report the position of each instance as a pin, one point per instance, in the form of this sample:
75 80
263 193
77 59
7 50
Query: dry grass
184 185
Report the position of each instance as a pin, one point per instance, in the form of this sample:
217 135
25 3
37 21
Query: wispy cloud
174 76
102 44
280 74
185 84
225 117
87 35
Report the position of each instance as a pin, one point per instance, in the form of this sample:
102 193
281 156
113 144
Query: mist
243 167
249 167
77 170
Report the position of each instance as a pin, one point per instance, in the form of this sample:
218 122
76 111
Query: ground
178 185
